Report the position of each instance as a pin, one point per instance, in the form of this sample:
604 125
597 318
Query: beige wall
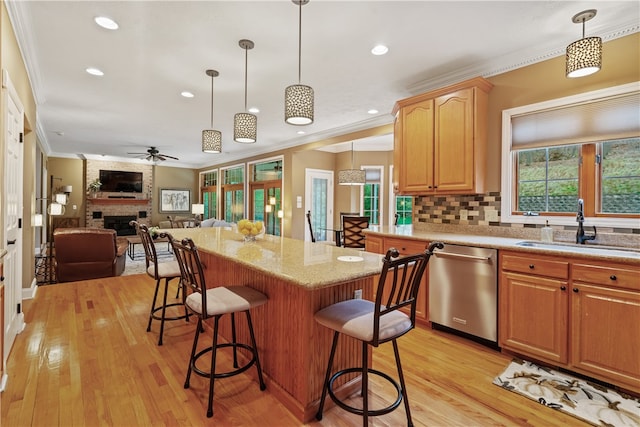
546 80
70 172
169 177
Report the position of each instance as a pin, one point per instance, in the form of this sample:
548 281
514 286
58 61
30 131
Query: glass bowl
250 231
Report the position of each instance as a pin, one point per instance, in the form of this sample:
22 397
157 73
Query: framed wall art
175 200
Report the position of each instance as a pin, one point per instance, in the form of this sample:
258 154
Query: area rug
138 264
585 400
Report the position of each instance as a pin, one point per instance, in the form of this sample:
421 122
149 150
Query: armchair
88 253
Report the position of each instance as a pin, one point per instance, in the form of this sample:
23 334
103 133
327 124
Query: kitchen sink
572 247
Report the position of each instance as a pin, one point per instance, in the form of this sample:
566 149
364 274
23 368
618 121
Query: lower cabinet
380 244
578 314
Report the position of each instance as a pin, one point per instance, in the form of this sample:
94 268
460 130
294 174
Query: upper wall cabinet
440 140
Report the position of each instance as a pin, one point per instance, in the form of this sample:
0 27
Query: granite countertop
306 264
629 255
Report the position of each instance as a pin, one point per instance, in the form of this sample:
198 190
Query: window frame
381 183
509 171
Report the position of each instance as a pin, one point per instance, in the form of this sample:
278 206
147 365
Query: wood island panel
293 347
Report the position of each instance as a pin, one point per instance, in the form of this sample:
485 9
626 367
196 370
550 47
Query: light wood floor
85 358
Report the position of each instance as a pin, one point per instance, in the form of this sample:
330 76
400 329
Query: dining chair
313 237
352 231
214 302
159 271
374 323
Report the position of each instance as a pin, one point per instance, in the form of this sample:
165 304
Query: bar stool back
166 271
374 323
215 302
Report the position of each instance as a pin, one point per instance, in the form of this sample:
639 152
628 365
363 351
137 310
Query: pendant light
212 139
298 99
584 57
245 125
351 176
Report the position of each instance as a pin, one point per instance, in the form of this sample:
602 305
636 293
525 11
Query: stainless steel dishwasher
463 291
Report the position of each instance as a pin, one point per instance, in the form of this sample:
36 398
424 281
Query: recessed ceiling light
373 111
379 49
94 71
254 110
186 94
105 22
301 132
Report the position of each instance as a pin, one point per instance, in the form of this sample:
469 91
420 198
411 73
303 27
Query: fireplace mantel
102 201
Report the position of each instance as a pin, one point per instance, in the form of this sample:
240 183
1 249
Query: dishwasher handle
462 256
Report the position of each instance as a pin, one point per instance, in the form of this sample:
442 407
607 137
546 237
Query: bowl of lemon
250 230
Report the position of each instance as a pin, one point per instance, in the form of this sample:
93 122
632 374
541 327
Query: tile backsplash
480 213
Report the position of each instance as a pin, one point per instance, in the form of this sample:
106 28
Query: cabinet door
454 139
416 171
605 331
373 244
411 247
533 316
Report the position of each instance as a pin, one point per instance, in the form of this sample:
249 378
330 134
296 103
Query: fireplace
121 224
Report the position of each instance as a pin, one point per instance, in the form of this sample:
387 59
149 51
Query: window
404 209
209 193
372 194
233 193
580 147
265 191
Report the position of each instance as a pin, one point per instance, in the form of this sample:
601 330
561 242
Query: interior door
12 194
319 200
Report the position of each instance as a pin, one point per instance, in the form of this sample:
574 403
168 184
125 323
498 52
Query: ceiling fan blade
169 157
138 154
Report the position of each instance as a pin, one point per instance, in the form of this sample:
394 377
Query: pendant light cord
212 102
246 56
300 43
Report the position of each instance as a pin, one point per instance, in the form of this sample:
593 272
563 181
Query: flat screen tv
121 181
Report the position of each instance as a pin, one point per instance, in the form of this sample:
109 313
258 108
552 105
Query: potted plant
94 187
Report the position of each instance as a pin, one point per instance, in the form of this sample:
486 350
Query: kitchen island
299 278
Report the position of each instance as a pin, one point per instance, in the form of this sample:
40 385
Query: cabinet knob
531 266
429 186
613 277
563 288
575 290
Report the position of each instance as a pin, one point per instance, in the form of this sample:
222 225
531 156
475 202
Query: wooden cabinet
577 314
541 332
379 244
605 322
440 140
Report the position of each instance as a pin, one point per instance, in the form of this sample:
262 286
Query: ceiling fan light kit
211 138
298 99
245 125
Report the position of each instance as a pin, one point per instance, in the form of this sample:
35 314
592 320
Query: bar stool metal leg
325 385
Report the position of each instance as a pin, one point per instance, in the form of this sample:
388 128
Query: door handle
11 242
452 255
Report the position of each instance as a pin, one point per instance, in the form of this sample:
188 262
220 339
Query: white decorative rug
138 265
587 401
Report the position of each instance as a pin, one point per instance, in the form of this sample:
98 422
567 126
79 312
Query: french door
319 201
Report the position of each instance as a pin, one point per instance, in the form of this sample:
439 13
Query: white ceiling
164 47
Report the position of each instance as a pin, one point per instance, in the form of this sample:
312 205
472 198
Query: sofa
88 253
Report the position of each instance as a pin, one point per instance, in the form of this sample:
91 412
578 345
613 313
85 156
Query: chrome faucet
581 237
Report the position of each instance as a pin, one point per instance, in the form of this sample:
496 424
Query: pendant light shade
245 125
298 99
212 139
352 176
584 56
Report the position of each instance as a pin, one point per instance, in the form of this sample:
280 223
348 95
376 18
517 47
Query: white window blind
595 120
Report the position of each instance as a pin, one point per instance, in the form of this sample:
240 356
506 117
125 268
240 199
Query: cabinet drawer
405 246
615 276
535 265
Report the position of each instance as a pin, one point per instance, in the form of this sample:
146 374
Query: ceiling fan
154 155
